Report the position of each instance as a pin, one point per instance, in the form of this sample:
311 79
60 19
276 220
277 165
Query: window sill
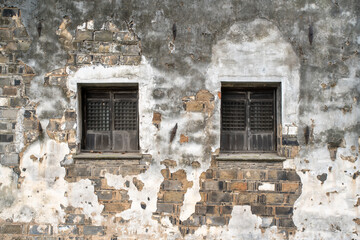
101 156
272 157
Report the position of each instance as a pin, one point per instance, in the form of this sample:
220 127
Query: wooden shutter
110 119
97 120
125 134
247 120
261 121
233 122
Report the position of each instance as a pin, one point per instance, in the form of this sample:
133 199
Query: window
110 119
248 119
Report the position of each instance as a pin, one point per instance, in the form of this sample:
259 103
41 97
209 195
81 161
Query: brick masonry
231 183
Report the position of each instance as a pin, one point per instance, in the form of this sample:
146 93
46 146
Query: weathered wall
179 53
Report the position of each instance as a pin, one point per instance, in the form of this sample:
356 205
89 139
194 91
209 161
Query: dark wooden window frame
112 130
246 88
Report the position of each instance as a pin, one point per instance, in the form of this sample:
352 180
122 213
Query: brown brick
165 207
179 175
117 207
110 60
104 195
283 210
289 187
10 91
104 36
219 197
286 222
83 35
194 106
172 185
204 95
244 198
275 198
183 138
213 185
215 221
130 60
238 186
173 196
11 229
228 174
262 210
254 175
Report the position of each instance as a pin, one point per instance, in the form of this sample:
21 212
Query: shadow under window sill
107 155
271 157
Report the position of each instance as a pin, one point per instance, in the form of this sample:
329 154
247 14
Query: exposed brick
9 113
40 229
275 198
243 198
286 222
228 174
194 106
83 35
283 210
215 221
130 60
226 210
220 197
238 186
9 159
212 210
172 185
68 229
5 35
94 230
104 36
262 210
79 171
165 207
289 187
116 207
254 175
132 50
6 137
104 195
213 185
11 229
75 219
173 196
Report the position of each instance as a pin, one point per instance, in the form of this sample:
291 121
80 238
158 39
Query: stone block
30 124
172 185
165 207
289 187
94 230
103 36
173 197
83 59
11 159
104 195
238 186
83 35
40 229
11 229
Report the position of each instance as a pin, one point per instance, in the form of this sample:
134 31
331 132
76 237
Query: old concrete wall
179 53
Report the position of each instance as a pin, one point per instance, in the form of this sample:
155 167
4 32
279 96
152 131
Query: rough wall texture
180 186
